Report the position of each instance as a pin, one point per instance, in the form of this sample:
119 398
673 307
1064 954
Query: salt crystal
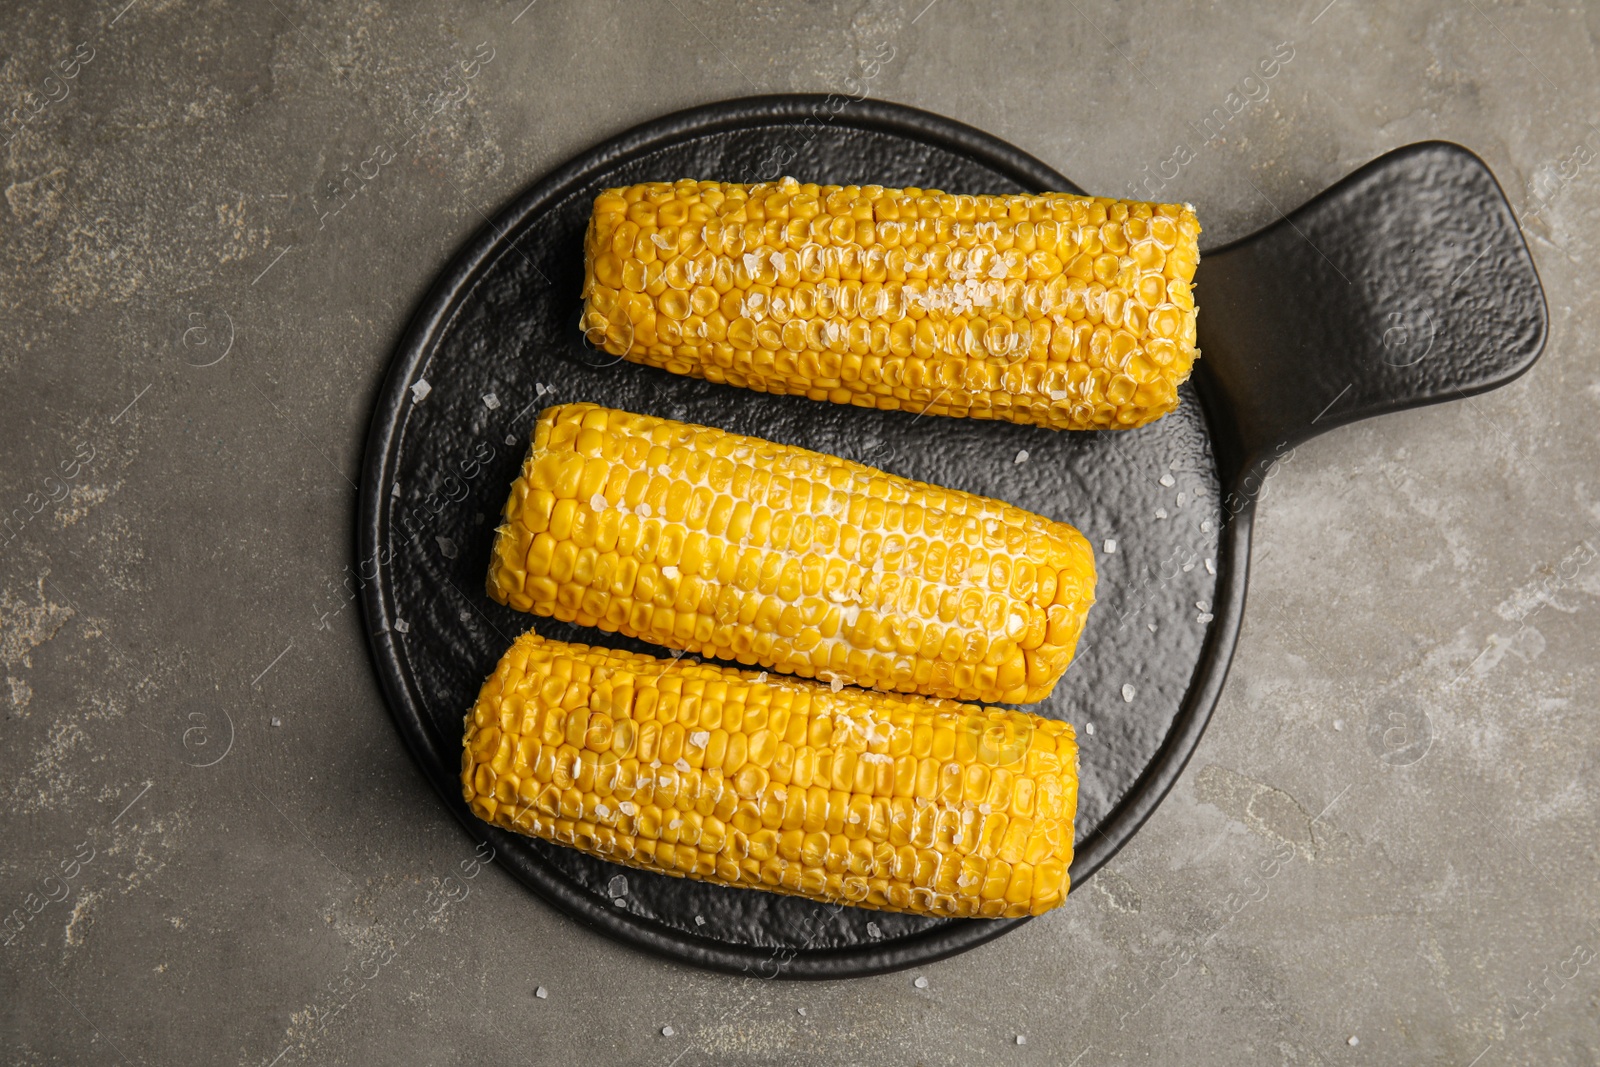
920 982
1203 605
683 765
1152 626
619 902
1338 724
643 509
1183 498
420 390
401 626
1187 567
1211 568
394 490
511 439
700 738
1128 692
618 886
598 502
1022 457
1021 1040
538 388
761 677
669 571
277 721
447 546
1161 513
1110 545
1172 466
836 683
490 401
1205 527
466 616
873 931
699 920
1204 617
1059 394
1088 728
542 993
802 1011
667 1031
1167 480
1354 1041
664 470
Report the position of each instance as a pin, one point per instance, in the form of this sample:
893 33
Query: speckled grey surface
1388 834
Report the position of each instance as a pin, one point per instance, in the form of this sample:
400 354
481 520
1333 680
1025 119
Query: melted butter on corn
699 771
1062 311
742 549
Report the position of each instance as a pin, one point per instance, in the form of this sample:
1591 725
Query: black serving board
1404 284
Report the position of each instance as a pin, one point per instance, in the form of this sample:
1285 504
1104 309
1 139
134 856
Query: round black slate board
497 340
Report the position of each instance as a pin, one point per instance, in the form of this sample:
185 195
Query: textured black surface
1406 283
497 340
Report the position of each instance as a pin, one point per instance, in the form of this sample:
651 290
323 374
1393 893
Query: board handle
1406 283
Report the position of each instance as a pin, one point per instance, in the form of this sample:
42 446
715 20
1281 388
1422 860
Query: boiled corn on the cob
891 802
742 549
1071 312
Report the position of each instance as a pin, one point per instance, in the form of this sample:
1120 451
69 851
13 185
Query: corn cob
742 549
1070 312
706 772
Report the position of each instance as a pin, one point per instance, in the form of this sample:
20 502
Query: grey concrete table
1385 850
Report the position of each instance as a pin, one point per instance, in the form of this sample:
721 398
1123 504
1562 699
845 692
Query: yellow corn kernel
1071 312
600 750
825 569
